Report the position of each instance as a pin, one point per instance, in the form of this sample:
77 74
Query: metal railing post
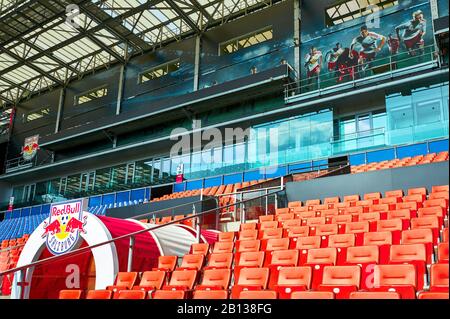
130 254
276 201
267 202
243 213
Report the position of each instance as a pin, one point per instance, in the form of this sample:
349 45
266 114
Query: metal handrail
129 235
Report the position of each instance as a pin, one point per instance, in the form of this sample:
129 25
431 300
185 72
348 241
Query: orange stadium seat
396 278
201 249
99 294
439 278
258 294
341 280
215 279
250 279
192 262
132 294
210 294
124 280
374 295
219 261
166 263
70 294
169 294
151 280
181 280
312 295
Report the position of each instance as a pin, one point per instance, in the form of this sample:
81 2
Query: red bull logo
64 226
30 147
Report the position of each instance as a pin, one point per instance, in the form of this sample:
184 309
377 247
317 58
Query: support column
297 18
121 81
197 62
62 95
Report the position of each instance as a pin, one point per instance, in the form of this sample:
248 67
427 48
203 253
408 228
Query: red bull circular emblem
64 225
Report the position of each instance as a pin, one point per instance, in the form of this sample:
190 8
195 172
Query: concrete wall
379 181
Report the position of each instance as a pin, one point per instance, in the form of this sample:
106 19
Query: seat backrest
407 205
153 279
417 236
443 252
309 242
312 202
439 195
126 279
342 219
342 275
223 247
351 198
284 217
169 294
277 244
298 231
266 218
220 260
328 229
70 294
217 277
377 238
322 256
248 226
248 245
394 193
330 212
408 252
287 257
440 188
200 249
430 211
357 227
362 254
268 225
438 202
258 294
227 236
289 276
271 233
312 295
183 278
294 204
389 225
341 240
388 275
374 295
331 200
132 294
248 234
399 213
425 222
210 294
291 223
167 262
369 216
254 277
376 195
417 191
99 294
316 221
439 275
192 261
251 259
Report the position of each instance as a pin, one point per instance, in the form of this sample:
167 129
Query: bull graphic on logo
75 224
52 228
30 148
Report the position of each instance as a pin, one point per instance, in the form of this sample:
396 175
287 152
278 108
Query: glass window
102 179
246 41
118 175
34 115
156 171
143 172
91 95
428 112
73 184
159 71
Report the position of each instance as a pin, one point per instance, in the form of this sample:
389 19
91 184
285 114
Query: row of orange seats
341 281
404 162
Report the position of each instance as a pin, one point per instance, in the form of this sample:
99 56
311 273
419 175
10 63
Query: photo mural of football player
313 64
413 33
358 49
368 44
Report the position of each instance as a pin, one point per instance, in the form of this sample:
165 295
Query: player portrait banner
180 173
348 50
30 147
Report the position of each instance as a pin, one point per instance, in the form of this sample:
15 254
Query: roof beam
184 16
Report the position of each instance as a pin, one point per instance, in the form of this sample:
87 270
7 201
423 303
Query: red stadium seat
258 294
443 253
151 280
266 218
169 294
124 280
439 278
341 280
341 242
248 234
414 254
366 257
247 226
70 294
440 188
306 243
250 279
227 236
374 295
357 228
132 294
281 258
396 278
181 280
210 294
394 193
318 259
433 295
249 260
417 191
292 279
223 247
199 249
219 261
268 225
166 263
192 262
312 295
427 223
420 236
215 279
395 226
271 233
99 294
